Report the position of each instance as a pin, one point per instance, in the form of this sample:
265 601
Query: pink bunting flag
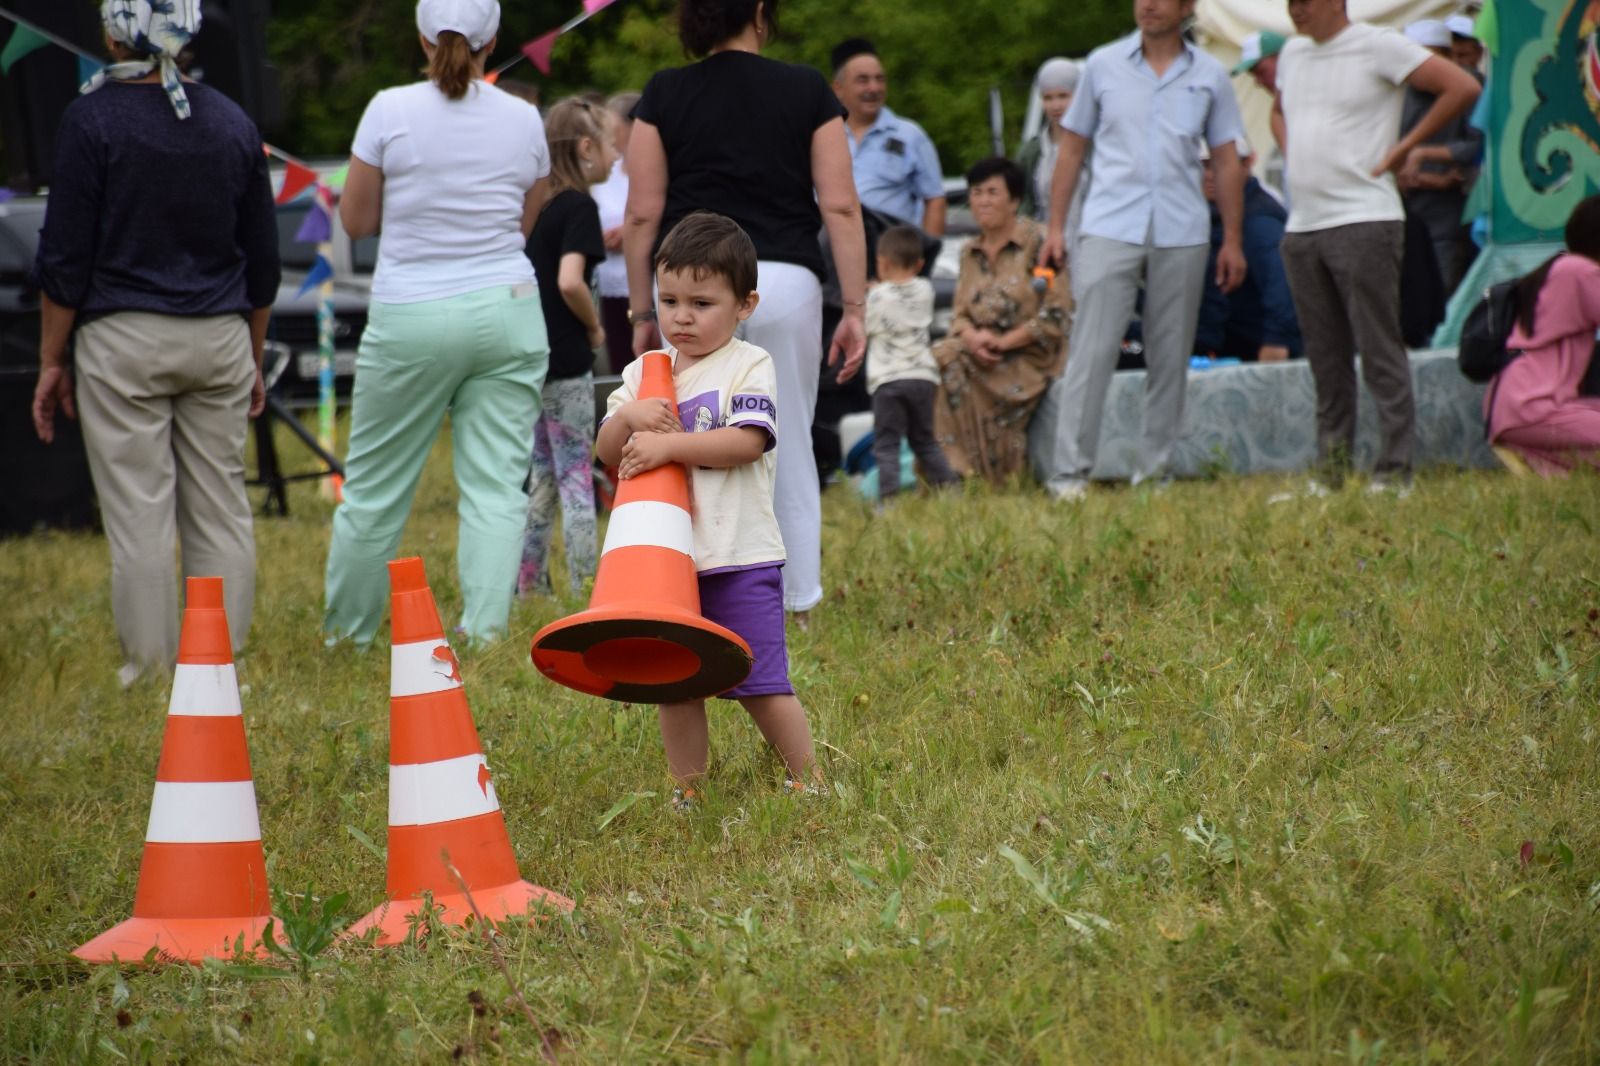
591 6
539 50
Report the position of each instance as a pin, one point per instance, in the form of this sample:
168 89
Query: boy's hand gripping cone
442 803
203 882
643 639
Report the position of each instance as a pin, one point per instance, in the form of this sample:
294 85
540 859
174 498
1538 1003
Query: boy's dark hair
984 169
704 24
902 246
708 243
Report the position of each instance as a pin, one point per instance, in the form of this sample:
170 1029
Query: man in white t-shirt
1340 89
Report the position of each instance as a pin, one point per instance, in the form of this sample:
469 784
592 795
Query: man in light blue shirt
1148 101
896 168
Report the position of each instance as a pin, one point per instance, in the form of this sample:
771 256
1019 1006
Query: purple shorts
750 602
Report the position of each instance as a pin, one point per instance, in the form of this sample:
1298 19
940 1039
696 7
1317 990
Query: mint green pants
482 357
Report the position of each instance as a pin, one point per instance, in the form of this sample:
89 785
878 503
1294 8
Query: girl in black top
763 143
565 247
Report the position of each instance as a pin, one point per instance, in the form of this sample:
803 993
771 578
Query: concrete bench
1260 417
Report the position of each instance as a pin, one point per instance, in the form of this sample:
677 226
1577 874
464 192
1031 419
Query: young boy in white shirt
724 434
902 376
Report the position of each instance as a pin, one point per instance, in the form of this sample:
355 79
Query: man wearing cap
1465 48
1340 93
1258 57
1438 172
1147 102
896 168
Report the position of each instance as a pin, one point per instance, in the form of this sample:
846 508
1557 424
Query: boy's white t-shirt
735 527
611 197
899 314
455 173
1341 106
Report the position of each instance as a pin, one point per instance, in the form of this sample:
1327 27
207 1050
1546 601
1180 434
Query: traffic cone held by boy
203 882
643 638
445 826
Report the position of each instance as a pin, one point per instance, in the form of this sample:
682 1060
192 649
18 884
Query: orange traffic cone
442 804
203 881
643 639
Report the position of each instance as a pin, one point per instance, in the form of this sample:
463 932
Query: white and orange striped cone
442 803
203 882
643 638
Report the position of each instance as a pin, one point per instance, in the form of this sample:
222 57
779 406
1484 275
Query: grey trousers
904 409
1106 276
164 403
1346 286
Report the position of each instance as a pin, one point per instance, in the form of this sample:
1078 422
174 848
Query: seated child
902 376
724 434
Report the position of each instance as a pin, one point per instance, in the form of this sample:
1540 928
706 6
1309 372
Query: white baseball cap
476 20
1429 33
1461 26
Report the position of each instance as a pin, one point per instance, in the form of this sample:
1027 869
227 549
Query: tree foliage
942 57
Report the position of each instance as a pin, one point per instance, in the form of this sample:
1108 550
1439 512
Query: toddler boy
902 376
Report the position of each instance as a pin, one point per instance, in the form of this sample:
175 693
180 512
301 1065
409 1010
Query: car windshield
294 254
364 255
299 255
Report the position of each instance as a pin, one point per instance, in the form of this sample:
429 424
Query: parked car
40 485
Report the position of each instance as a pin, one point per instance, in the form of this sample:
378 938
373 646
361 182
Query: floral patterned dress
981 415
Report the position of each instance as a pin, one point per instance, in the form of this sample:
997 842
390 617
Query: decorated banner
1541 118
1544 114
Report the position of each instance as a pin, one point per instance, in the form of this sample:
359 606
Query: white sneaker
1384 486
1312 490
1067 489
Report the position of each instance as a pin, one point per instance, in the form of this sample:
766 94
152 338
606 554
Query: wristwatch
636 317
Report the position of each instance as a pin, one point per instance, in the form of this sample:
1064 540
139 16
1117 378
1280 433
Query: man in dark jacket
1256 321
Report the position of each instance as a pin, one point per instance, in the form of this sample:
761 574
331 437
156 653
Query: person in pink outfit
1533 408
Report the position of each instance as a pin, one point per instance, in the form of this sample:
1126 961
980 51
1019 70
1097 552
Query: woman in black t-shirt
762 142
565 247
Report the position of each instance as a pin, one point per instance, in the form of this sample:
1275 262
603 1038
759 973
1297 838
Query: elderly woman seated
1008 336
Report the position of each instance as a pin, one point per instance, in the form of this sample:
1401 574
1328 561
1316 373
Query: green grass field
1166 778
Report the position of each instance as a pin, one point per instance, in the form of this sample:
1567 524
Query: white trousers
788 324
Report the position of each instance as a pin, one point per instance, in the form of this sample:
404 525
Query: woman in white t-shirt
611 196
452 171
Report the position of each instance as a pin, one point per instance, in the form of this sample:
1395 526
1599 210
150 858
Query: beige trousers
164 404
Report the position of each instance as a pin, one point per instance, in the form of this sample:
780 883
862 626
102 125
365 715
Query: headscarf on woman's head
156 29
1059 75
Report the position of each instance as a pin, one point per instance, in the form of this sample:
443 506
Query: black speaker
229 54
40 86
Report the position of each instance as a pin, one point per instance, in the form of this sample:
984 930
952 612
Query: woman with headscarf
168 284
453 171
763 143
1007 338
1057 80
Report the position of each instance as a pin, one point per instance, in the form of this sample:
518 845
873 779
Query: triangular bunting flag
23 40
296 180
317 227
336 180
88 68
321 271
539 50
591 6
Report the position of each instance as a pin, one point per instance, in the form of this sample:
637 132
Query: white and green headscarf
159 29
